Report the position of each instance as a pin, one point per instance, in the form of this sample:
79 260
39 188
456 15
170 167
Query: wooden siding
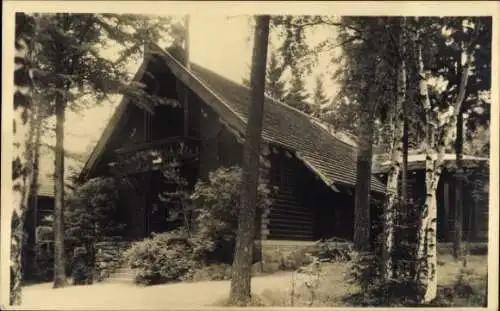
289 219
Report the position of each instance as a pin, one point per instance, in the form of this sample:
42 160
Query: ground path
103 296
129 296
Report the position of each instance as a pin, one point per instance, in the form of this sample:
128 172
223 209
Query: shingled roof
326 154
332 159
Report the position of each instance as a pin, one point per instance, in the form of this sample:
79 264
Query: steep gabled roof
333 160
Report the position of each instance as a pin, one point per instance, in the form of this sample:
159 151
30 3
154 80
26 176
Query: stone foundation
276 252
108 257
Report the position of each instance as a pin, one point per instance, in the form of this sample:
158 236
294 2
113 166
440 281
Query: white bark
427 244
393 176
23 160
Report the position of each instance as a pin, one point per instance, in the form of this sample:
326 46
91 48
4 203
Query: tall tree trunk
404 166
458 251
410 212
362 219
59 254
22 156
392 198
240 292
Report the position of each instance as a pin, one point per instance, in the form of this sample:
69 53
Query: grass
332 288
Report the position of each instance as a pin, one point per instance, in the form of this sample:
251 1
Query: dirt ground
198 294
130 296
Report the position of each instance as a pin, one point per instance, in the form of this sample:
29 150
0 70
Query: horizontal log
291 212
291 226
290 216
286 205
290 232
284 196
291 223
289 236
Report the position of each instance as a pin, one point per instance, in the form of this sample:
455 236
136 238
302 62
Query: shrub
44 261
92 215
81 270
327 250
216 209
373 290
296 260
164 257
332 250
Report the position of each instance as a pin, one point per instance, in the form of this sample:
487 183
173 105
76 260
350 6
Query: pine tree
240 292
275 88
320 98
71 69
297 95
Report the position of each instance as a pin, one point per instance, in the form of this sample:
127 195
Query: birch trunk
427 246
32 205
240 292
391 206
22 157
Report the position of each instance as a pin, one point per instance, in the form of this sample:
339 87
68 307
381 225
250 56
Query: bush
165 257
44 261
92 215
296 260
81 270
332 250
373 291
216 209
92 212
327 250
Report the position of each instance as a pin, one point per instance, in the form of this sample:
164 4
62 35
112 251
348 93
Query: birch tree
396 146
22 157
441 123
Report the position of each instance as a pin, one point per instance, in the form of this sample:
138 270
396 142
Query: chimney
179 48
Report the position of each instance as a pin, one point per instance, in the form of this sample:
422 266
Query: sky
225 47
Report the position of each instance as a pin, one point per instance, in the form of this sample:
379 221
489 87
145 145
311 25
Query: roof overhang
230 118
417 162
108 130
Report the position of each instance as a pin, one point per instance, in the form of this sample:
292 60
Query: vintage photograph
195 160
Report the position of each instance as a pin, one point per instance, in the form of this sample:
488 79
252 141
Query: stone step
123 274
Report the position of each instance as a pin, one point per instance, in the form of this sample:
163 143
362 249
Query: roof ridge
320 124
